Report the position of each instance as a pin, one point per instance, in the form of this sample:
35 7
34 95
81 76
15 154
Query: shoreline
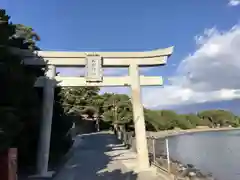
178 168
176 132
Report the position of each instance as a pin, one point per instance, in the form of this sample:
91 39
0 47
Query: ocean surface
214 152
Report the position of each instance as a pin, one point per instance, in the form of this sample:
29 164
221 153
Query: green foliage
194 120
17 96
184 122
152 119
167 119
21 103
219 117
116 110
61 140
75 100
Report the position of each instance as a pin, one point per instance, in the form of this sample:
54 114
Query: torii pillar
138 115
46 124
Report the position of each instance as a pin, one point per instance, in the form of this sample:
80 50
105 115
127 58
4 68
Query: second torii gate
94 77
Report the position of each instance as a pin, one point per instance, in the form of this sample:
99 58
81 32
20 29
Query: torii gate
94 62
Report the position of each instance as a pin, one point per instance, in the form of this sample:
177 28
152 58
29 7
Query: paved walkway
98 156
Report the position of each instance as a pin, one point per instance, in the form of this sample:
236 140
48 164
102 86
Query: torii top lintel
110 59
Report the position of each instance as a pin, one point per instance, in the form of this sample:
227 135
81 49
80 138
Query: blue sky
109 25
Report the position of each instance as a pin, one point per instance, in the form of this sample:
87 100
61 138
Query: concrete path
98 156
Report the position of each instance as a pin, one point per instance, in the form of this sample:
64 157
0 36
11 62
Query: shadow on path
90 160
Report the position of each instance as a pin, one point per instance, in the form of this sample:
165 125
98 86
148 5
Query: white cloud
233 2
211 73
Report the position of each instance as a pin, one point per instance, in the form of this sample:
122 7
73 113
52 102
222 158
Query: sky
204 66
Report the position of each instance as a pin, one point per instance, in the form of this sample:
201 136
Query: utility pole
97 120
118 128
115 116
97 124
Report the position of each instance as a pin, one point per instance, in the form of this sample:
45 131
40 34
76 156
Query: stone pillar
46 124
138 115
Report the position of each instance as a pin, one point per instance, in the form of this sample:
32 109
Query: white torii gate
94 63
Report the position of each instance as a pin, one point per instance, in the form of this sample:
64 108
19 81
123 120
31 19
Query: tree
152 120
219 117
20 102
183 122
117 110
25 37
79 102
194 120
17 97
61 139
98 109
76 99
170 118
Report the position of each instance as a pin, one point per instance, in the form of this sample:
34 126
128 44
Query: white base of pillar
143 167
46 175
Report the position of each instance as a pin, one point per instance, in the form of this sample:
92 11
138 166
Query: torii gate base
132 60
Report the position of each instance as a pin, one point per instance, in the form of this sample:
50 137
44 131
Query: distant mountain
231 105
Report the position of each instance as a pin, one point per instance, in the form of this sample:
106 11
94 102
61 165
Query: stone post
138 115
46 124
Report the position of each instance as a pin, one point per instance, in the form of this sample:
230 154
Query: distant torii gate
94 62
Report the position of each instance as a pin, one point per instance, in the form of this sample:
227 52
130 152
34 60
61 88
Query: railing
160 157
157 148
159 153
